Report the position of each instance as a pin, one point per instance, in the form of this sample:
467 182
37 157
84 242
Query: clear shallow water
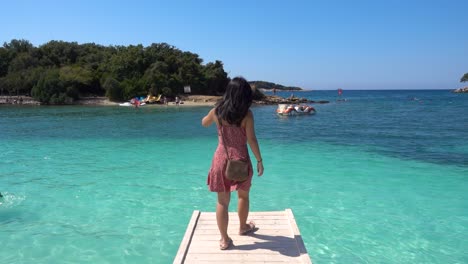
380 178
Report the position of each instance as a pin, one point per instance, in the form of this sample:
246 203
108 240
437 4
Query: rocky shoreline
273 100
20 100
461 90
27 100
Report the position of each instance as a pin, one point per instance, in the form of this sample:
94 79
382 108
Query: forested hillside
60 72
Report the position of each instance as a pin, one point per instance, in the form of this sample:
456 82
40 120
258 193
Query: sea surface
379 177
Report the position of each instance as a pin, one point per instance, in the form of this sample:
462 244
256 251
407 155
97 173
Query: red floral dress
236 144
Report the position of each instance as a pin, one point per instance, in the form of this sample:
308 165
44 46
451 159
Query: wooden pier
277 240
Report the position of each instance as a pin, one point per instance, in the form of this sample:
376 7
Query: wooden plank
235 221
281 213
287 249
260 231
253 242
184 245
284 225
234 217
291 251
237 262
241 258
298 237
277 240
252 238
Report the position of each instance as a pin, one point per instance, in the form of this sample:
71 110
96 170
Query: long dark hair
236 101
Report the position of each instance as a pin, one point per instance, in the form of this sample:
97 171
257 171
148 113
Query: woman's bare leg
222 214
243 205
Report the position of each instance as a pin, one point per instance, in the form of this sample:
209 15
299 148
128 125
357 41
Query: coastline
187 100
190 100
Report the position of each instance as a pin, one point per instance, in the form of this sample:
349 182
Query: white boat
130 104
284 109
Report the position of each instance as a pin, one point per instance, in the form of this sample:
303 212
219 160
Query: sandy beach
190 100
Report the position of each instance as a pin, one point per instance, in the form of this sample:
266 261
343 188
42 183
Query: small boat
134 102
284 109
130 104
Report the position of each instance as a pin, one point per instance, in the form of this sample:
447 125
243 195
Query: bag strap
222 136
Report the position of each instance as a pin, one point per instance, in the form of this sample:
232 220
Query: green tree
77 79
464 78
20 82
167 91
156 76
131 88
21 75
215 79
113 89
58 53
51 90
128 63
4 61
16 46
12 83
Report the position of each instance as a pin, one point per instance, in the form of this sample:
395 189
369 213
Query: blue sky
312 44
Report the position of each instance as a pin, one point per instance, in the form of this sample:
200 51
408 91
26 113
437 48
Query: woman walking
235 125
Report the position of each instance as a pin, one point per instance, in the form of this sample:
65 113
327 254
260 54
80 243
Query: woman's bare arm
209 118
252 140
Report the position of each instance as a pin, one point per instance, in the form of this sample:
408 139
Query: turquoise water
380 178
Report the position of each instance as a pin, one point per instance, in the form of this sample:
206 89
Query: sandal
225 245
251 229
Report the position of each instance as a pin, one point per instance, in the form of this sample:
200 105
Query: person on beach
177 100
233 117
135 102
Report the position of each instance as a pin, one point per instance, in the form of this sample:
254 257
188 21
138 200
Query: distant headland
463 79
273 86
